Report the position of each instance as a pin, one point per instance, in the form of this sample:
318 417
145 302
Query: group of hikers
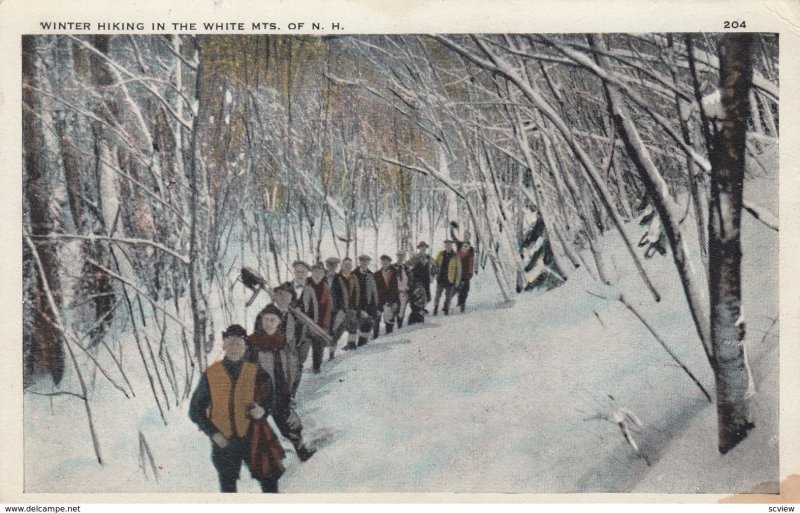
260 373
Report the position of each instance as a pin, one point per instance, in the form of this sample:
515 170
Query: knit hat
234 330
319 266
386 258
363 258
271 309
422 244
332 260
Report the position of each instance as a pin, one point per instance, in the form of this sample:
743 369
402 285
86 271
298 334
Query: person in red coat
388 293
320 286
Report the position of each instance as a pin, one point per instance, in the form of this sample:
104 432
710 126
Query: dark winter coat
421 272
386 282
367 291
305 299
339 294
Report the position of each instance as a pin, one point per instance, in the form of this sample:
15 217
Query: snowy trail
466 407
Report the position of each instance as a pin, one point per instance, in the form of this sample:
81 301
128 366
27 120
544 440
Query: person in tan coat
447 269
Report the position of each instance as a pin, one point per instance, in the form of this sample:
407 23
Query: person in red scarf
269 348
320 286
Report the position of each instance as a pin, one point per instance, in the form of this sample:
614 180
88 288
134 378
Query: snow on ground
503 398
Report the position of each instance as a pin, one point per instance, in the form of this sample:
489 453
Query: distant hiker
402 287
467 255
304 299
468 268
447 267
337 286
353 298
388 294
420 266
366 302
224 405
417 299
269 348
320 286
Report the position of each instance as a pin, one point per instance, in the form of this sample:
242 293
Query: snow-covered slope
503 398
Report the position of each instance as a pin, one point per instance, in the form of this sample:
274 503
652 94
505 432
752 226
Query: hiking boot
350 346
362 341
389 327
399 323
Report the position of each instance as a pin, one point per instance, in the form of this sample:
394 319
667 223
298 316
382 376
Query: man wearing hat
353 300
420 266
223 405
305 300
320 287
388 294
366 305
467 255
448 276
337 287
270 349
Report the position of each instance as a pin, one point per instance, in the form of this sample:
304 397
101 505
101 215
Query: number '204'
735 24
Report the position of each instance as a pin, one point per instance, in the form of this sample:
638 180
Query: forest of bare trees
156 166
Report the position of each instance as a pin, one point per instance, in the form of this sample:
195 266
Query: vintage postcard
400 251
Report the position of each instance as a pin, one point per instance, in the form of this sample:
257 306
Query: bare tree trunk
725 252
45 354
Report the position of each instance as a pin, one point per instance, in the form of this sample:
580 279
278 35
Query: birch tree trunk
725 251
197 269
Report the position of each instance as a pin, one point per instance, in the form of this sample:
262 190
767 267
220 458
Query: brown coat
388 291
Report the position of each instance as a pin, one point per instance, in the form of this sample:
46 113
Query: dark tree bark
45 351
725 252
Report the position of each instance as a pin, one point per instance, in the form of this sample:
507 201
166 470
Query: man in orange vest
222 407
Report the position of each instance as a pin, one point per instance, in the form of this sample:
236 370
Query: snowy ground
499 399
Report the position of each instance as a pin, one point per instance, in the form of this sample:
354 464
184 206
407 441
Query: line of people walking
260 373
